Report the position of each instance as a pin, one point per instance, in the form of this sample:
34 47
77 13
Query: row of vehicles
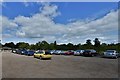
48 53
88 52
41 54
107 53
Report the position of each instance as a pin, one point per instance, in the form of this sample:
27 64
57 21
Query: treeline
98 46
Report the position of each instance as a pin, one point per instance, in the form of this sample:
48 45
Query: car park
78 52
111 54
43 55
90 52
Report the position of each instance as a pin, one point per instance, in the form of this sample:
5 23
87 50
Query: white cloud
7 23
49 10
1 0
8 27
42 27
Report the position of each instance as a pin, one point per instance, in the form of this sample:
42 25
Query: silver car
111 54
78 52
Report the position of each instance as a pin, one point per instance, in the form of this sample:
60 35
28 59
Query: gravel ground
60 66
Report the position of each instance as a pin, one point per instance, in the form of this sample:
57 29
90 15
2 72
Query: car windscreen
40 52
87 51
47 52
79 50
110 51
31 51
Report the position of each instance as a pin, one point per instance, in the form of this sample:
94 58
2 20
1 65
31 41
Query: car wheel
92 55
40 57
116 57
34 56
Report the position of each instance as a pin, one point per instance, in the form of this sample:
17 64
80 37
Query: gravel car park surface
60 66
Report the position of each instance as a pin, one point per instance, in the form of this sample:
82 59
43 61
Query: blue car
30 53
23 52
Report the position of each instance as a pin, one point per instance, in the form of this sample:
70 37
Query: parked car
78 52
63 52
51 51
111 54
21 51
90 52
14 50
43 55
70 52
29 53
57 52
18 51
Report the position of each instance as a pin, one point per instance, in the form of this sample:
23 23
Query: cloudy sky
63 22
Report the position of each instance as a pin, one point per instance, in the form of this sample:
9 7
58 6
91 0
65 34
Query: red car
69 53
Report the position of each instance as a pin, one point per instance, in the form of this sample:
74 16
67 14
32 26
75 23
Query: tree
55 45
88 45
97 44
44 45
62 47
33 47
88 42
52 46
70 46
38 45
78 46
11 45
22 45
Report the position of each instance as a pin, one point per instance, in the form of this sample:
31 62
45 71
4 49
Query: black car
90 52
14 50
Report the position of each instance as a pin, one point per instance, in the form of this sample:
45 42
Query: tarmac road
21 66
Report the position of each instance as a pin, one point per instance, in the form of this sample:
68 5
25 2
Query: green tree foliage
11 45
55 45
88 42
70 46
22 45
52 46
32 47
44 45
88 45
97 42
98 46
